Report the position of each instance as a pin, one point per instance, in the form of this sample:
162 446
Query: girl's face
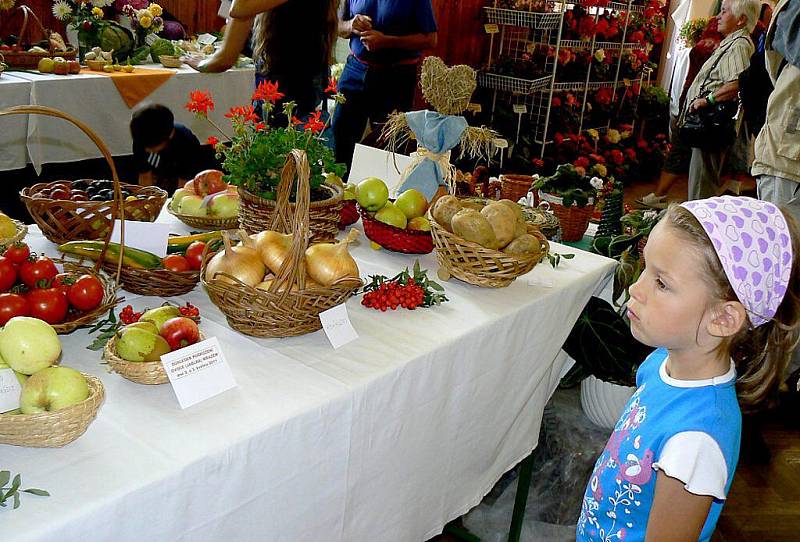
670 301
727 21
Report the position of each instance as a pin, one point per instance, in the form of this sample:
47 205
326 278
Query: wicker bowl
97 65
481 266
141 372
349 214
515 186
396 239
110 298
53 429
206 222
65 220
574 220
169 61
545 222
21 232
155 282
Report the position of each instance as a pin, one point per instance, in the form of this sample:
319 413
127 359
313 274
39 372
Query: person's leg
350 118
781 192
704 169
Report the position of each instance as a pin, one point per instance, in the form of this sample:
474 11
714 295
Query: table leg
459 532
523 486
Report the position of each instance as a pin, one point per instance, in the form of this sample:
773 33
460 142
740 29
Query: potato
503 222
526 244
472 205
513 206
521 228
470 225
445 209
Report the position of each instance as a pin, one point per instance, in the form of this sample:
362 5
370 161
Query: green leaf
567 256
37 492
5 476
16 501
436 286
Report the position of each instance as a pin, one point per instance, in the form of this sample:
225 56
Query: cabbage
161 47
113 37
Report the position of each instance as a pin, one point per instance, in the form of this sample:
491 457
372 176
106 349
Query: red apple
179 332
190 187
209 182
74 66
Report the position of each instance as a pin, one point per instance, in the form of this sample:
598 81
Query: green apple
223 205
29 345
412 202
191 205
160 315
419 223
46 65
137 344
147 326
350 191
52 389
372 194
179 194
390 214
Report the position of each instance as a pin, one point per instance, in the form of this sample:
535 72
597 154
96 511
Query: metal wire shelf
526 19
512 84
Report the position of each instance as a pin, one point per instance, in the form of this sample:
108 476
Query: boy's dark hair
151 124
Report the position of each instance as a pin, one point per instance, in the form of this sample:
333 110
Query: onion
273 248
327 263
240 261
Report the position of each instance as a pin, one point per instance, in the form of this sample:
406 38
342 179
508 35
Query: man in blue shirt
387 38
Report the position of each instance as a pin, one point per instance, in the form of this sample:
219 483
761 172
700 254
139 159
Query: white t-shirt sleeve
694 458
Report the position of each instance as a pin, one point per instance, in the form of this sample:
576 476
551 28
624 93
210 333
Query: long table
92 98
387 438
13 130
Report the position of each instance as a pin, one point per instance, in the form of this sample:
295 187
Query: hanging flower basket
574 220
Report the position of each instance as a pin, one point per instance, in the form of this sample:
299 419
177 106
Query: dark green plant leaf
37 492
5 476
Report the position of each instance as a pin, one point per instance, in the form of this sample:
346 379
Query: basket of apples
11 231
399 226
33 285
135 349
56 404
207 202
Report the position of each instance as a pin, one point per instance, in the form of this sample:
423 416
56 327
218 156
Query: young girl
719 298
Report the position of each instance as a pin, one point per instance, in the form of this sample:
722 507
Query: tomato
32 271
17 253
86 293
64 281
175 262
194 254
12 305
8 273
48 304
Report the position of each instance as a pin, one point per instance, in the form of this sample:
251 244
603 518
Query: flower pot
603 402
256 213
574 220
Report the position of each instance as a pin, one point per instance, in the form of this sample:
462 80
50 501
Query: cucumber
179 244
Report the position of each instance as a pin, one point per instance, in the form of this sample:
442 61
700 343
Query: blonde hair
761 353
749 8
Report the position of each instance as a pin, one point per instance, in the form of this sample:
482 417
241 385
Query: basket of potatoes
485 245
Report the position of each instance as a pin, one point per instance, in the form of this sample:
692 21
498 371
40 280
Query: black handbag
713 127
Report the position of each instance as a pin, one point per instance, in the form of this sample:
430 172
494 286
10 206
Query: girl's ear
728 318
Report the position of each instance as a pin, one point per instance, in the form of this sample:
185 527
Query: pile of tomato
31 285
191 260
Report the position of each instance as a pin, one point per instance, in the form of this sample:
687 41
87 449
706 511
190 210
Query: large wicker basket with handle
288 307
28 60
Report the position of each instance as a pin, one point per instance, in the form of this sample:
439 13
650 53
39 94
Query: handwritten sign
491 28
198 372
337 326
10 389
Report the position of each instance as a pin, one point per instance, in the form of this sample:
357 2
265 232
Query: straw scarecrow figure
449 91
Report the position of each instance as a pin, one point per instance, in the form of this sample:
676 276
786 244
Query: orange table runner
139 84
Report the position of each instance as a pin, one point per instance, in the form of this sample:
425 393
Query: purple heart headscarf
753 243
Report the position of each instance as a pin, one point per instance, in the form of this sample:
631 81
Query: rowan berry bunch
128 316
406 290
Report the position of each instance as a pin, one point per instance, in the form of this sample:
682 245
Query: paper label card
337 326
474 107
150 39
500 143
198 372
491 28
10 388
520 109
149 236
206 39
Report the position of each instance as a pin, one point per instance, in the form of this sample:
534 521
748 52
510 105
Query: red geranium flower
556 101
267 91
260 127
200 103
538 163
631 154
558 139
213 141
616 157
314 124
244 113
582 162
597 158
296 121
331 86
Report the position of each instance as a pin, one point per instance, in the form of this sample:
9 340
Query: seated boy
165 153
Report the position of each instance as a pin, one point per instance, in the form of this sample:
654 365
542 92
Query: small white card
337 326
500 143
474 107
149 236
150 39
491 28
520 109
198 372
10 389
206 39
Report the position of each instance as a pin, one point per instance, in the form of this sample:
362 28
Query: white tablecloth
93 99
13 129
387 438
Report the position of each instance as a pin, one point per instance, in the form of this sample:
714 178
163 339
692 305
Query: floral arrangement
571 184
7 4
691 31
542 6
84 16
145 17
257 151
648 25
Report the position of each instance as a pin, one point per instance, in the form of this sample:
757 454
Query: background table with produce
387 438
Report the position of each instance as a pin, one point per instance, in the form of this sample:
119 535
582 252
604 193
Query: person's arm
676 515
147 178
357 25
244 9
374 40
236 34
726 93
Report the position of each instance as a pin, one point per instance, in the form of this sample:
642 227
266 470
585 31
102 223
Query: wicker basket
22 231
169 61
26 60
141 372
545 222
206 222
110 298
349 213
481 266
396 239
256 214
274 313
514 187
97 65
53 429
574 220
155 282
65 220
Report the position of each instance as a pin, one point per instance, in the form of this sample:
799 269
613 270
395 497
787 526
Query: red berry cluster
127 316
190 311
393 294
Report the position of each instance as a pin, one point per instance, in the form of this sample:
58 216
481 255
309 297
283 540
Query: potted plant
256 154
570 193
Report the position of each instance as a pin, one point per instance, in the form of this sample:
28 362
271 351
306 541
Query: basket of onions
273 284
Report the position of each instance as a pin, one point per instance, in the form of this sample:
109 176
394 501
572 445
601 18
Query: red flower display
244 113
213 141
267 91
314 124
200 103
331 89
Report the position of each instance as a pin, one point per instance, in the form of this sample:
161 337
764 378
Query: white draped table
385 439
92 98
13 130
